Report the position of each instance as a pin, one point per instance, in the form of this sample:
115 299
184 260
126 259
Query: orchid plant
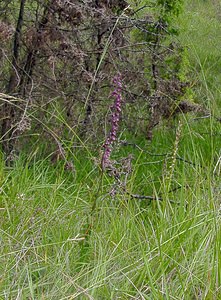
115 118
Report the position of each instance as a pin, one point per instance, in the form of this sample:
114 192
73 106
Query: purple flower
115 118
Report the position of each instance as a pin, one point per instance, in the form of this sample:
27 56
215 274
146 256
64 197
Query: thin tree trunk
32 53
9 110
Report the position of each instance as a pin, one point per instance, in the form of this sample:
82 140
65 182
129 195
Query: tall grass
136 249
